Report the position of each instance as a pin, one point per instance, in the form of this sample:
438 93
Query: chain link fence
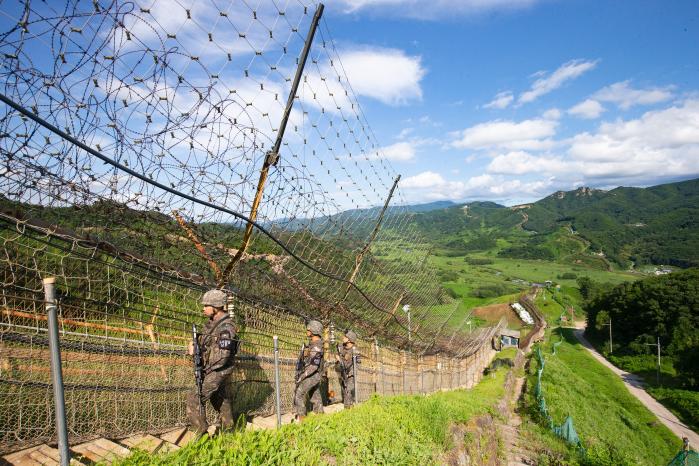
145 161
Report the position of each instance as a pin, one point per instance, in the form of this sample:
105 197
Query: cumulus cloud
399 152
661 144
550 82
552 114
665 138
588 109
527 135
388 75
625 96
431 186
520 162
501 100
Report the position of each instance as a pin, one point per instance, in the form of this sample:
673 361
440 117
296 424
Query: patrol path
105 450
635 386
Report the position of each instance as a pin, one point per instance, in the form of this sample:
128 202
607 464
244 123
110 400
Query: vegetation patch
406 430
615 428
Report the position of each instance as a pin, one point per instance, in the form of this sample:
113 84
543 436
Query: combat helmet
351 336
215 298
315 327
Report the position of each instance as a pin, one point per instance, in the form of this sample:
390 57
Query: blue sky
510 101
503 100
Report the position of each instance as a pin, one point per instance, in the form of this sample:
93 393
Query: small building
506 339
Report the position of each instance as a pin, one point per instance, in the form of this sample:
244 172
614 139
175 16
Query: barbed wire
134 136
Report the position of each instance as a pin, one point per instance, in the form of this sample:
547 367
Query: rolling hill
624 226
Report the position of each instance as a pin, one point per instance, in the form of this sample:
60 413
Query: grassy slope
406 430
683 403
615 428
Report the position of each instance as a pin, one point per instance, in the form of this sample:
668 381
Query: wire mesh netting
685 458
138 141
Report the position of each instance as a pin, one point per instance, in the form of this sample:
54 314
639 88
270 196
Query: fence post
402 371
56 370
421 373
277 388
355 373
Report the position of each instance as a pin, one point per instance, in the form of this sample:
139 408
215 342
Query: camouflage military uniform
218 347
308 382
345 369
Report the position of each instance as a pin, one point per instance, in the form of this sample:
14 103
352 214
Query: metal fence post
277 388
354 371
56 370
402 371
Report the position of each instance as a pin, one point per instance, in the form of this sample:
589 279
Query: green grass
683 403
615 428
406 430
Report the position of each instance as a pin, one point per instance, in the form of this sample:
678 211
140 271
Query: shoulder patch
225 341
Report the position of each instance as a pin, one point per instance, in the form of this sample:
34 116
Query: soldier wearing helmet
218 345
309 371
346 358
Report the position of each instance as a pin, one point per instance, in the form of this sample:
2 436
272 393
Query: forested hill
656 225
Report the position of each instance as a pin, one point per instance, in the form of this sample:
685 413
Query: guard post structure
56 370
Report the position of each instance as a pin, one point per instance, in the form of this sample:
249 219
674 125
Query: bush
684 403
478 261
448 275
492 291
568 276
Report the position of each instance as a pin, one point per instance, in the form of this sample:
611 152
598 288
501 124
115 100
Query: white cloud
662 141
564 73
400 151
662 144
405 132
438 8
527 134
588 109
387 75
501 100
430 185
520 162
428 179
626 97
552 114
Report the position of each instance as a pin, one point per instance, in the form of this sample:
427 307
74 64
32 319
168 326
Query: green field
614 427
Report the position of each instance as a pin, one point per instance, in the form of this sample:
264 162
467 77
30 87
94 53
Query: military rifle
198 369
299 364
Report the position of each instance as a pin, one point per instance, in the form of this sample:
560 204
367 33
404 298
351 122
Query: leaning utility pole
272 156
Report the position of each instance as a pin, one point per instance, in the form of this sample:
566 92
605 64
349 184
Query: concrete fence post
277 382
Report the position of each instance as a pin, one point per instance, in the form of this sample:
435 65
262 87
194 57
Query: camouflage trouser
347 385
214 390
309 387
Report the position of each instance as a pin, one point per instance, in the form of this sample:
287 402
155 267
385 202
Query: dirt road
635 385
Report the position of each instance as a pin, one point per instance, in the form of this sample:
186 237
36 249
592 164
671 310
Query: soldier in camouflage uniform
345 367
218 344
310 371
